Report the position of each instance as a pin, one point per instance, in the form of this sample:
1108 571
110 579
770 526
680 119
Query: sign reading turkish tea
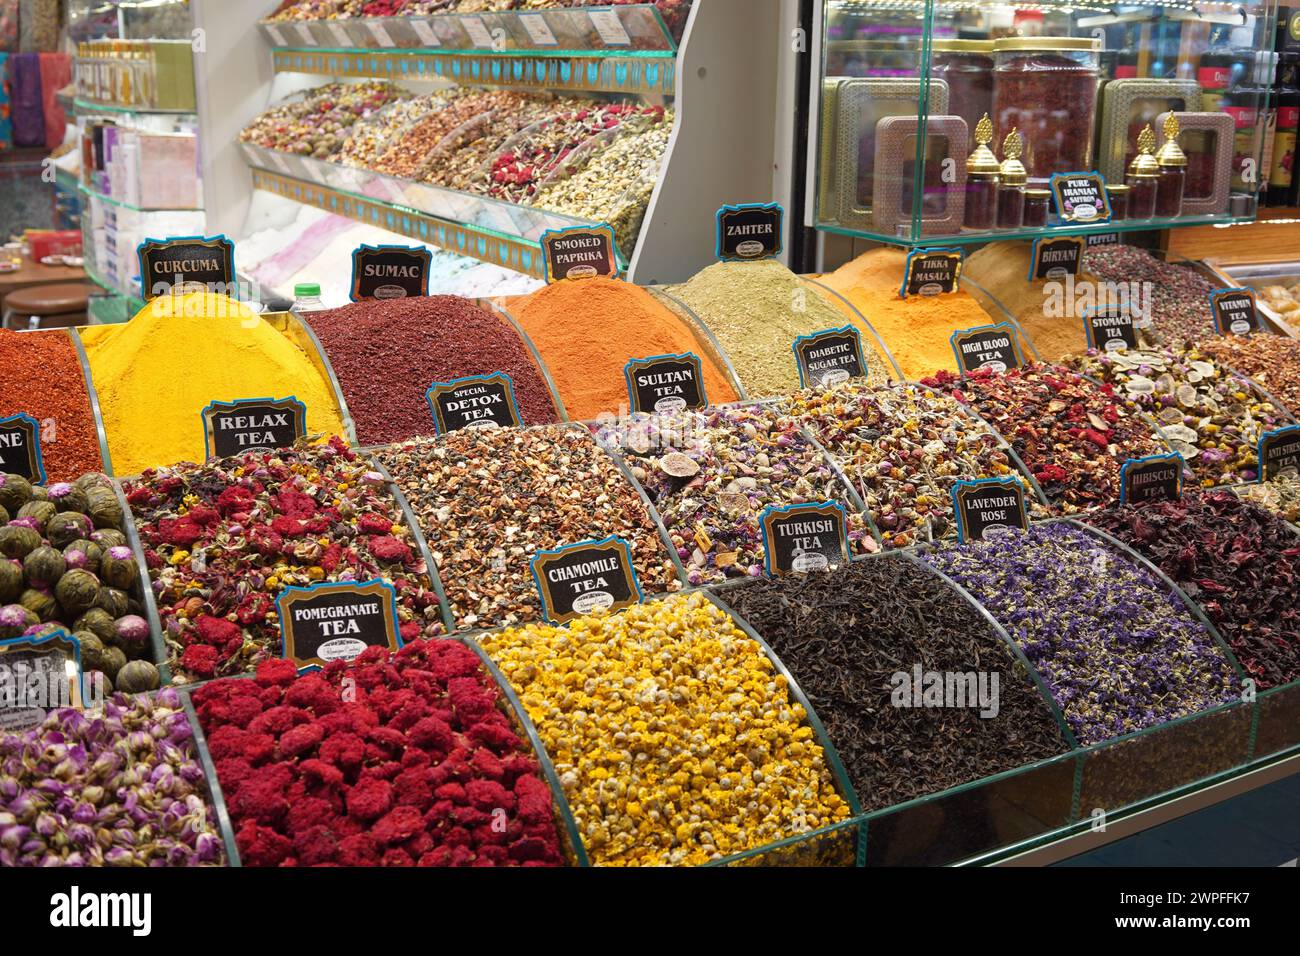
39 675
252 424
1081 197
1110 328
750 231
798 539
1279 452
986 347
336 620
20 448
829 357
390 272
931 272
478 401
583 252
588 576
664 384
186 264
987 504
1156 478
1234 311
1056 258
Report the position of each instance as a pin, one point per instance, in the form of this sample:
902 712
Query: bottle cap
982 162
1145 165
1171 155
1013 170
306 290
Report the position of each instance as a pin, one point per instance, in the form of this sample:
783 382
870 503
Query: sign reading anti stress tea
20 448
337 621
986 504
252 424
802 538
749 232
186 264
585 577
1279 452
390 272
583 252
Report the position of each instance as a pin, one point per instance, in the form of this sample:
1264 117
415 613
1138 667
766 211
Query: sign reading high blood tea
579 253
798 539
1234 311
1279 452
986 347
38 675
588 576
20 448
337 621
252 424
931 272
1156 478
478 401
664 384
750 231
1110 328
1081 197
987 504
829 357
186 264
390 272
1056 258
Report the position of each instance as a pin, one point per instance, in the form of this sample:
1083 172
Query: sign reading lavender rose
988 504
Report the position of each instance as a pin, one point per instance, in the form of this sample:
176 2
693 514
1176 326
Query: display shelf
92 194
132 303
90 106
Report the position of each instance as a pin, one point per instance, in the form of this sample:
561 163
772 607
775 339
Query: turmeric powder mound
586 330
155 374
1002 270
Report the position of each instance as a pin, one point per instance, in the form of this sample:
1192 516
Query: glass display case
963 122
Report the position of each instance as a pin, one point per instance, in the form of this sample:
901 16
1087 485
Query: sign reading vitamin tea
749 232
186 264
989 503
477 401
805 537
390 272
252 424
588 576
20 448
1234 311
663 384
579 253
337 621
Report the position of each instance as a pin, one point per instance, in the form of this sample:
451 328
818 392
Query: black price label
802 538
579 253
1110 328
20 448
39 675
1081 197
252 424
829 357
1104 239
187 264
1234 311
390 272
932 272
663 384
337 621
987 504
750 231
1279 453
1056 258
1156 478
479 401
585 577
986 347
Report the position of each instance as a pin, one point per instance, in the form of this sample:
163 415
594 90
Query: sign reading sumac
588 576
252 424
20 448
186 264
390 272
802 538
478 401
932 272
337 621
750 231
583 252
664 384
986 504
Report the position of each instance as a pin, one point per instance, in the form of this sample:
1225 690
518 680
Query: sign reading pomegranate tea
252 424
337 620
589 576
390 272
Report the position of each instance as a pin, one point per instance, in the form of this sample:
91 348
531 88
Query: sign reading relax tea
1156 478
186 264
20 448
588 576
986 347
798 539
1279 452
986 504
1056 258
1081 197
478 401
390 272
1234 311
750 231
39 675
931 272
1110 328
336 621
829 357
664 384
252 424
579 253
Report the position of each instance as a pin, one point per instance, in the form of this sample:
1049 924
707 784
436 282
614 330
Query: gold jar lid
962 46
982 162
1054 44
1013 170
1036 193
1171 155
1119 189
1145 165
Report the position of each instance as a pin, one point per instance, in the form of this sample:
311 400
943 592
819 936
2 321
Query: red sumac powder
40 375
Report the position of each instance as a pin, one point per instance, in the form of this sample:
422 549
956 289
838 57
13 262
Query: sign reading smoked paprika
663 384
1110 328
987 346
931 272
1081 197
478 401
1155 478
582 252
1279 452
390 272
1056 258
589 576
39 675
1234 311
20 448
751 231
801 538
336 620
186 264
252 424
829 357
986 504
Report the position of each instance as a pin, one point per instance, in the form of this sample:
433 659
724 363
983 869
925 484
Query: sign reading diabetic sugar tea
750 231
390 272
589 576
252 424
931 272
583 252
186 264
986 504
802 538
986 347
39 675
477 401
664 384
1056 258
1279 452
829 357
336 621
1155 478
1234 311
20 448
1110 328
1081 197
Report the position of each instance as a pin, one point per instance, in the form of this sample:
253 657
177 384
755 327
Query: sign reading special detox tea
589 576
390 272
186 264
986 347
39 675
1279 452
987 504
337 621
252 424
664 384
798 539
751 231
582 252
1155 478
1056 258
829 357
478 401
1234 311
1110 328
931 272
1081 197
20 448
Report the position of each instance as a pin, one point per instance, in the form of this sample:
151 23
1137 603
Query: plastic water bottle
306 298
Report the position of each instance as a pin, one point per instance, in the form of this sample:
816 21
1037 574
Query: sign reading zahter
986 504
337 621
583 252
390 272
750 231
798 539
186 264
478 401
588 576
252 424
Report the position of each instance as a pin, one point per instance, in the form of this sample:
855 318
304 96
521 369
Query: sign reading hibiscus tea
337 621
579 253
986 504
478 401
252 424
931 272
390 272
1234 311
1279 452
1156 478
748 232
802 538
20 448
829 357
588 576
988 346
186 264
664 384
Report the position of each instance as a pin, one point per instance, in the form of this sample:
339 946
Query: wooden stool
56 306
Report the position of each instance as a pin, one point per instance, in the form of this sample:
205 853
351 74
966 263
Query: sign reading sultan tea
579 253
1081 197
987 504
186 264
802 538
390 272
986 347
750 231
479 401
1234 311
1056 258
1110 328
1279 452
663 384
252 424
931 272
1156 478
585 577
336 621
829 357
20 448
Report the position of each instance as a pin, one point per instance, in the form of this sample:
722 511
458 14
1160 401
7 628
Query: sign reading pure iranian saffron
989 503
986 347
252 424
1279 452
20 448
1056 258
1234 311
1081 197
802 538
829 357
477 401
337 621
751 231
589 576
1155 478
664 384
390 272
931 272
579 253
186 264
